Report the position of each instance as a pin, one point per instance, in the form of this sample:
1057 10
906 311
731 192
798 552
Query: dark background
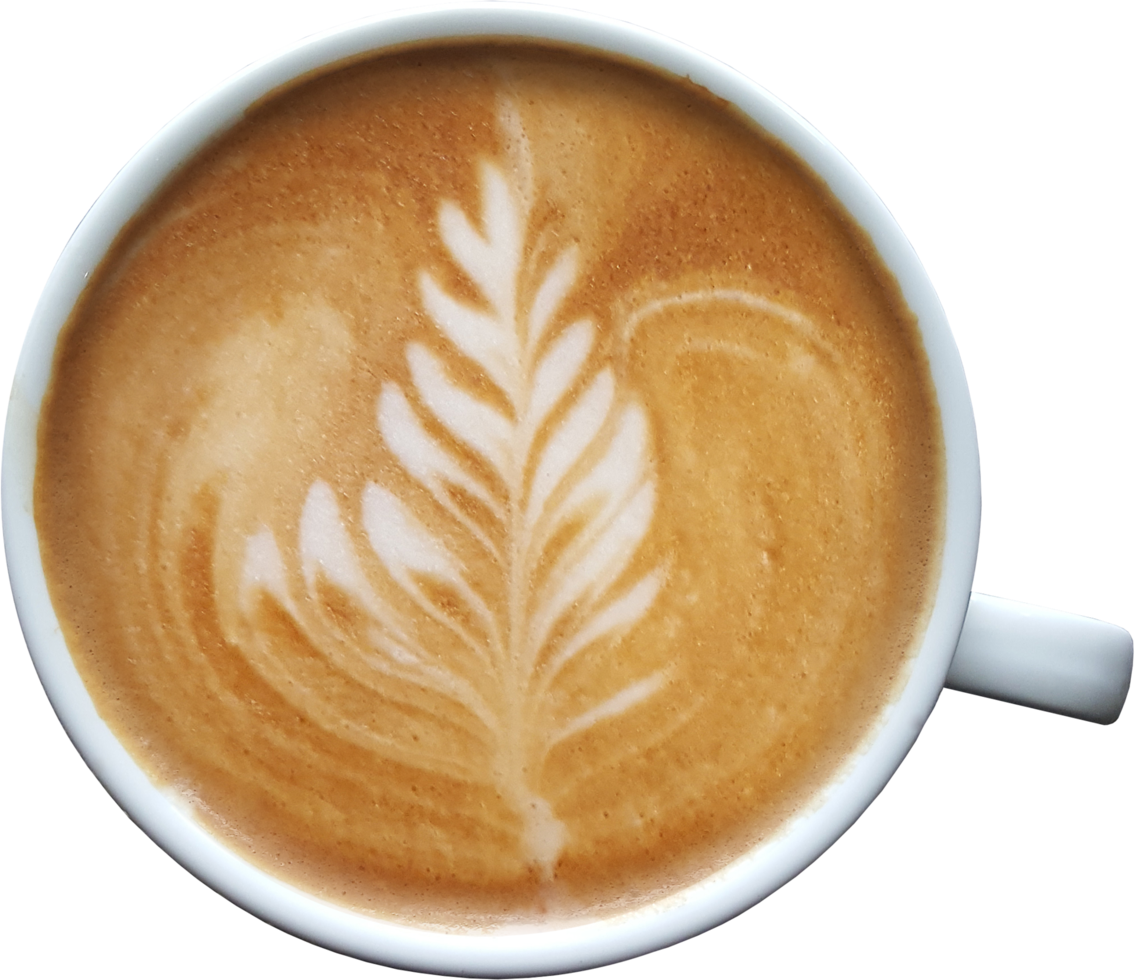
992 142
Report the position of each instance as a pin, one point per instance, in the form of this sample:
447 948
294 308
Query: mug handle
1055 661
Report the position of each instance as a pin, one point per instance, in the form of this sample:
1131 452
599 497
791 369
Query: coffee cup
623 951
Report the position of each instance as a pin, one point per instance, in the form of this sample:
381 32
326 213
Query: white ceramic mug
1067 664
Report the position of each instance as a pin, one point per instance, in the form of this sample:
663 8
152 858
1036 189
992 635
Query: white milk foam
592 467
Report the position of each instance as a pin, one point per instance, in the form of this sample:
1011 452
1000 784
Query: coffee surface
491 484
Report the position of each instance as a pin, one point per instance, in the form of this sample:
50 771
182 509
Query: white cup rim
573 947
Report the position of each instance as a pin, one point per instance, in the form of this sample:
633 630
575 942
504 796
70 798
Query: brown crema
492 484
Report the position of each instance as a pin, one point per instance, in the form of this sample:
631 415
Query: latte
493 483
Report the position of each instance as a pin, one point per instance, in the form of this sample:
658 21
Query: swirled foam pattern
491 485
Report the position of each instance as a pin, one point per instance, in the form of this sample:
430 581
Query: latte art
492 484
568 496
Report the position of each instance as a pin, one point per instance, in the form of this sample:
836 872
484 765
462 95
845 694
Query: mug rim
711 901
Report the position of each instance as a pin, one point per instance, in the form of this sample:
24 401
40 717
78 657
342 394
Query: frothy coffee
492 483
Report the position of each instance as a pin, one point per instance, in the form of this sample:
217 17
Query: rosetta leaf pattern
564 497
